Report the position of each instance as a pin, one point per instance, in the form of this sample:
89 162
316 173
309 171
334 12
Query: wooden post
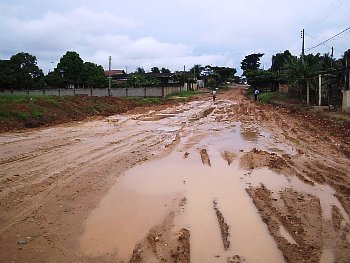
319 89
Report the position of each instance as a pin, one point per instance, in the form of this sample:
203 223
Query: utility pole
109 76
330 82
194 72
332 57
185 86
303 47
303 63
346 72
319 89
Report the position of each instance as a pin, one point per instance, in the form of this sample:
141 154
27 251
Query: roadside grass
184 94
21 107
144 101
268 97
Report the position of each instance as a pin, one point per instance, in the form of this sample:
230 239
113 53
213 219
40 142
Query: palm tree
298 73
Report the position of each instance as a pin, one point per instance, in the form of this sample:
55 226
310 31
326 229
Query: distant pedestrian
214 92
256 94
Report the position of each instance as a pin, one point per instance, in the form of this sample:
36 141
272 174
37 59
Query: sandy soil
51 179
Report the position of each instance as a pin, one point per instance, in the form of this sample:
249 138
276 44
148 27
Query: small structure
117 75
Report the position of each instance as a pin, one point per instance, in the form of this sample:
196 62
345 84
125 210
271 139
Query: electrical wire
332 8
331 38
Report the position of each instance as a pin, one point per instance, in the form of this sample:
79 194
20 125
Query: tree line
22 72
293 70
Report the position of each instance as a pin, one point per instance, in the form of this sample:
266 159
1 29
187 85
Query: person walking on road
256 94
214 92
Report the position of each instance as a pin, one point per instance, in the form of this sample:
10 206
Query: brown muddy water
147 193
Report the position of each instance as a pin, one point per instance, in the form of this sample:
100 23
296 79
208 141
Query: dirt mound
258 158
163 245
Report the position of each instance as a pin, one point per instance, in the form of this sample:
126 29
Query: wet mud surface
230 181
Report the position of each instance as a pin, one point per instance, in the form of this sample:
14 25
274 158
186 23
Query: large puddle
147 193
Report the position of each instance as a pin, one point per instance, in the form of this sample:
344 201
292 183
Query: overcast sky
169 34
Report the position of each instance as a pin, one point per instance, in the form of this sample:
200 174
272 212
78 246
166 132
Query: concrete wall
346 101
124 92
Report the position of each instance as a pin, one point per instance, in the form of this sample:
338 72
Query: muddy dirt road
230 181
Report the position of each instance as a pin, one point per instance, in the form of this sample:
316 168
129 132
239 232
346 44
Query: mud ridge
163 245
223 226
205 157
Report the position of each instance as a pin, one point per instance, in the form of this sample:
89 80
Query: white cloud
161 33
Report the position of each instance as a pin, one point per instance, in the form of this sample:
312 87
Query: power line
334 6
323 42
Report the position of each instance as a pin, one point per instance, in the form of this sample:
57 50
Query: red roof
115 72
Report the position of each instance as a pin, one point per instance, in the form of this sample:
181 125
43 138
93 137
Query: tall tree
26 74
7 80
251 62
196 70
155 70
71 66
93 74
226 73
279 60
140 70
165 70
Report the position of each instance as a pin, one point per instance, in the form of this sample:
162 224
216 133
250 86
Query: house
116 75
164 78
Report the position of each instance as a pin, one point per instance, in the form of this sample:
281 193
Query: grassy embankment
18 112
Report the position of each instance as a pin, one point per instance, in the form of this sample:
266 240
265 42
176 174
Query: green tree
70 66
25 74
93 74
54 80
7 80
226 73
251 62
141 80
214 80
140 70
196 70
279 60
155 70
260 78
165 70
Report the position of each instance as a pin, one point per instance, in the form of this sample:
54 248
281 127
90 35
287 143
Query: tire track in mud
74 164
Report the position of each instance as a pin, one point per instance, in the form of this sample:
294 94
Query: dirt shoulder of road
24 112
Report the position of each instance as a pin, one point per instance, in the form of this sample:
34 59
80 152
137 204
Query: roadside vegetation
18 112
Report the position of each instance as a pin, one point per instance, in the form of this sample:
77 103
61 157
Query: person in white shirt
214 92
256 94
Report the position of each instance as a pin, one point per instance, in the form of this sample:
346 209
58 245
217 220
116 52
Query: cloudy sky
169 34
